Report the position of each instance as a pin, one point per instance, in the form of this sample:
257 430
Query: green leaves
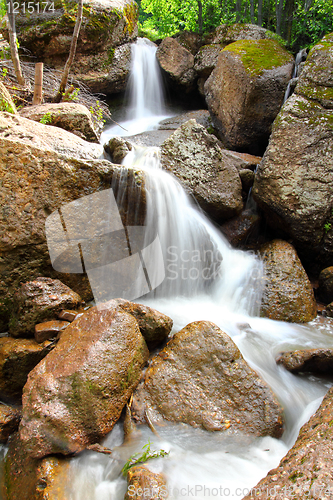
144 457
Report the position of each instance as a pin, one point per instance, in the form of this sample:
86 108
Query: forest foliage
300 22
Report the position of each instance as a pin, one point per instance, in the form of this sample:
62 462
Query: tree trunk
13 43
290 17
278 12
252 11
200 23
260 2
72 51
238 10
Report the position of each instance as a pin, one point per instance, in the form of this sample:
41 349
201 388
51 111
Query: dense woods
300 22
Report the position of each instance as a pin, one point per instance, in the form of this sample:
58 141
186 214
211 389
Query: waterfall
300 57
145 93
205 280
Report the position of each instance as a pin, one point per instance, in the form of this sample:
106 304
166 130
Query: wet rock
76 394
9 421
325 289
154 325
70 116
6 101
17 358
39 479
38 301
200 378
329 310
245 92
49 330
68 315
118 148
204 169
177 64
105 26
306 470
201 116
250 162
308 360
206 59
293 184
242 230
288 294
247 177
140 479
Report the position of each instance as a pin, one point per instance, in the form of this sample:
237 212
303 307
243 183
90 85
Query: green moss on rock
260 55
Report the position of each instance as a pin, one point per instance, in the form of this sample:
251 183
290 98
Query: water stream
205 280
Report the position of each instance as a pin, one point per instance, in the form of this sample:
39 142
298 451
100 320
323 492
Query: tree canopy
300 22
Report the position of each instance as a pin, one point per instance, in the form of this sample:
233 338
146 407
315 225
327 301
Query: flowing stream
205 280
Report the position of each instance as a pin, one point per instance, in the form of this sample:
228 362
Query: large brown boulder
38 301
70 116
204 169
177 64
306 470
44 168
245 92
105 25
293 184
287 294
34 479
76 394
17 358
325 289
200 378
307 360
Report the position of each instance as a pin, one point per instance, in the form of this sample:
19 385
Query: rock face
73 117
204 169
43 168
38 301
142 479
17 358
294 183
309 360
38 479
200 378
306 470
288 294
6 101
226 33
245 91
177 63
326 285
105 26
75 395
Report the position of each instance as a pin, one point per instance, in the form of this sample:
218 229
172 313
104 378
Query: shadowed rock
308 360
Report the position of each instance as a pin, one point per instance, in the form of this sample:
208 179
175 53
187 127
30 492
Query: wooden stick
38 90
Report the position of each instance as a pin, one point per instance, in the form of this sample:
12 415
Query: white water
203 464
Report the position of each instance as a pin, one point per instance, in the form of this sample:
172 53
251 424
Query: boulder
229 33
245 91
200 378
17 358
9 421
111 74
154 325
105 25
118 148
306 470
287 293
247 177
42 169
76 394
39 479
140 479
6 101
307 360
201 116
206 59
243 230
70 116
329 310
325 289
177 64
189 40
206 171
294 183
37 301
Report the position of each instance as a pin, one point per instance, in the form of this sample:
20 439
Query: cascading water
207 280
